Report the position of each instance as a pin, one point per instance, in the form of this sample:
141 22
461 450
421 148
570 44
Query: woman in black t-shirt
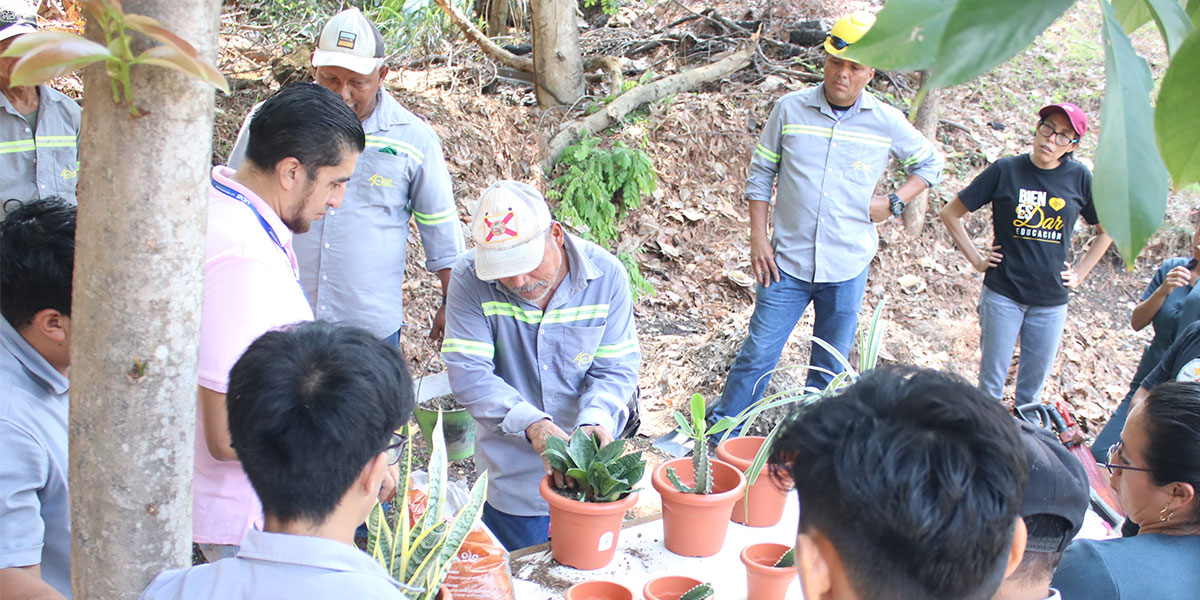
1035 198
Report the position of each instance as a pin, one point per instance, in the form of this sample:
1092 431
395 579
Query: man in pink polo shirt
304 147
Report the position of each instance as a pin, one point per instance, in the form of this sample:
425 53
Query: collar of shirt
308 551
818 101
573 283
224 175
12 341
387 114
46 94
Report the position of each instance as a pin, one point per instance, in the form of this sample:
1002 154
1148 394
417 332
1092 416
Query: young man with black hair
313 411
1055 502
37 256
305 145
910 483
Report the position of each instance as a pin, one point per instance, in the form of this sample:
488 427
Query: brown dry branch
520 63
643 94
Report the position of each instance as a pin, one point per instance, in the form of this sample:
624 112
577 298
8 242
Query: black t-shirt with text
1033 215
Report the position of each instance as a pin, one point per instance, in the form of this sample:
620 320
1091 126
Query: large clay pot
695 524
762 505
669 587
599 590
765 581
588 530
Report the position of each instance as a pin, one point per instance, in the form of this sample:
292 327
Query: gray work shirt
41 163
277 565
352 261
511 364
35 508
826 168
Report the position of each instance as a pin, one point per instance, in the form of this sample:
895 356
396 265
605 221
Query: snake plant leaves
1176 121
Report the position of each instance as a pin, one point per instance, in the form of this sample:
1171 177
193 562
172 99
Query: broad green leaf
1193 11
697 408
464 522
610 452
981 35
684 427
1131 14
171 58
49 54
1129 186
557 460
1176 120
602 481
379 536
435 505
1172 21
579 475
906 35
581 448
629 467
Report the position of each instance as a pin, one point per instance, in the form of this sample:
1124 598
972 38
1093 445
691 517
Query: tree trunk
139 271
558 66
926 121
497 18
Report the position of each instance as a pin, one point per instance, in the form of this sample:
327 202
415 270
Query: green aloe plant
700 592
418 554
697 429
602 474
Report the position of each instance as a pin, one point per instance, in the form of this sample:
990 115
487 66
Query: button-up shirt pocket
864 164
577 349
381 186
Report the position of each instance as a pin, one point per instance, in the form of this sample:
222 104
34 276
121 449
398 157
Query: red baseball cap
1074 113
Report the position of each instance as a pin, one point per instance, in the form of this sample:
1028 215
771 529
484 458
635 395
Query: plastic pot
588 531
669 587
599 590
765 581
457 426
762 505
695 524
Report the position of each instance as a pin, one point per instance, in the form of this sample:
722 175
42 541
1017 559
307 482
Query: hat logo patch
346 39
500 228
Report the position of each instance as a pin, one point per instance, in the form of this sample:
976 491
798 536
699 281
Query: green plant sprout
602 474
788 560
698 430
49 54
700 592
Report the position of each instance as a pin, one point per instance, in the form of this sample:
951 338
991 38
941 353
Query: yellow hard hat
848 30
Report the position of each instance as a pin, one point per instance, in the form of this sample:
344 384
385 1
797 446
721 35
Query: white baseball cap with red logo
509 228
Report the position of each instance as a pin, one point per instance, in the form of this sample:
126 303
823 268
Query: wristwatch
897 205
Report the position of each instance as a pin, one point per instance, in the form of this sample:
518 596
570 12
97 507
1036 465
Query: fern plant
697 429
418 553
602 474
597 188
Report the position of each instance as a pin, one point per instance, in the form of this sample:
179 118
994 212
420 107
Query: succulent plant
787 560
698 430
704 590
602 474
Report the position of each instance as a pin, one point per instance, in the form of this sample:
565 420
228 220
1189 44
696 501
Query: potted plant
599 590
763 500
676 587
698 494
458 428
770 569
588 517
762 504
417 549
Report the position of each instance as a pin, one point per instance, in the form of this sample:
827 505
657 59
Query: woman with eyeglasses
1036 199
1170 303
1155 468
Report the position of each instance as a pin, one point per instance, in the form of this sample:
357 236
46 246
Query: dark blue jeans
776 310
515 531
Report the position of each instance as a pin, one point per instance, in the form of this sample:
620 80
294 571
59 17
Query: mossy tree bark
136 313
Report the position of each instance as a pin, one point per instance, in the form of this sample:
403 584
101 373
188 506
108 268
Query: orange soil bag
481 570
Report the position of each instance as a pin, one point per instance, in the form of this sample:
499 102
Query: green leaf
603 482
1176 120
981 35
171 58
700 592
611 452
1129 186
579 475
1132 14
49 54
1193 11
557 460
435 505
905 36
1172 21
697 408
684 427
788 559
379 536
581 448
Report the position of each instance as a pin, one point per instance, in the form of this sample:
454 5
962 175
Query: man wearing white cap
39 128
540 341
352 262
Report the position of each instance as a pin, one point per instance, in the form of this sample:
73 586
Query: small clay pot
762 506
588 531
696 524
669 587
599 590
765 581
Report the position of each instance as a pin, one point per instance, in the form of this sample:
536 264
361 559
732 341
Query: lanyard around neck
236 195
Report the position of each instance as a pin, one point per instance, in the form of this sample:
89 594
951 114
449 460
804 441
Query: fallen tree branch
642 94
520 63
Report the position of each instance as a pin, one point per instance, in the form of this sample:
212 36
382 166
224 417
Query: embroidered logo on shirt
378 180
583 359
500 228
860 166
69 173
346 39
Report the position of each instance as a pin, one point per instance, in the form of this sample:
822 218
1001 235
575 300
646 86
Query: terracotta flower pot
695 524
599 590
765 581
588 531
669 587
765 499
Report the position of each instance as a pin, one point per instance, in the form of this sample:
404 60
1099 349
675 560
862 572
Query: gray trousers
1002 322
